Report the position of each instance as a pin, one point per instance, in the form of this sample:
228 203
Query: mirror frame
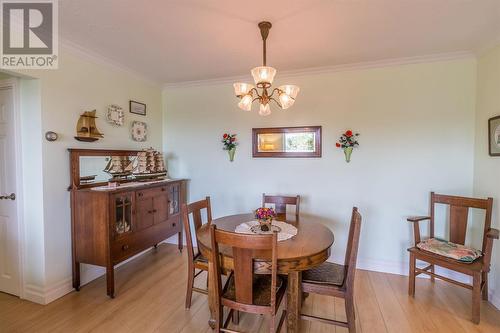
74 158
277 130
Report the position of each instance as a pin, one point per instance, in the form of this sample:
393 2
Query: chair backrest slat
459 215
194 209
280 203
245 249
351 255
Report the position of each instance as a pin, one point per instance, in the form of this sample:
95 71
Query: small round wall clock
139 131
115 115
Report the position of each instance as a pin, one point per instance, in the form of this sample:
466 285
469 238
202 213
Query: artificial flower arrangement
347 142
229 144
265 217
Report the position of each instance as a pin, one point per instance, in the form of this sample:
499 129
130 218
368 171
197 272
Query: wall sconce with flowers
229 143
347 142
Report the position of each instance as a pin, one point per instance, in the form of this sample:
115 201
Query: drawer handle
125 247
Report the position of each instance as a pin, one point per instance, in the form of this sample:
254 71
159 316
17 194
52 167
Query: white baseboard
494 299
65 286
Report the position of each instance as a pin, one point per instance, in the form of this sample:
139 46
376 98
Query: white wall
78 85
486 168
417 135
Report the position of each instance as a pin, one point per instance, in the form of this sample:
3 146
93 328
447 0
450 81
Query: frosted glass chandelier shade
263 74
265 110
246 103
290 90
286 101
241 88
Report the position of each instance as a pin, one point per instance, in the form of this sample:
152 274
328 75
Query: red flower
233 139
348 133
338 145
225 135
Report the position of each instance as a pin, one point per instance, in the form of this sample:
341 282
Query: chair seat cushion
327 273
261 289
451 250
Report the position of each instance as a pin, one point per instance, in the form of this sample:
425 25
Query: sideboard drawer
151 192
125 247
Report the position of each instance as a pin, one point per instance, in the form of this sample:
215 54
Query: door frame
13 83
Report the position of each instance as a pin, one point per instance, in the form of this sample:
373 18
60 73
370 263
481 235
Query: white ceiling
188 40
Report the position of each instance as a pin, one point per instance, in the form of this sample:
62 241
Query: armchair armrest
416 227
493 233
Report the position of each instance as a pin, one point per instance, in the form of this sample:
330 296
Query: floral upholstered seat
451 250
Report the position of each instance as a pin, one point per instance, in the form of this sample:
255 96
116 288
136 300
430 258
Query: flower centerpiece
229 144
265 217
347 142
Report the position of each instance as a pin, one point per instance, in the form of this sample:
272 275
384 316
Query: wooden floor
150 298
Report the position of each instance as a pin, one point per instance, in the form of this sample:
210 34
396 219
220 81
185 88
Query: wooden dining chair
195 259
244 290
478 269
336 280
280 203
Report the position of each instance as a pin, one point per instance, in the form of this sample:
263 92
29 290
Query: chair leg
476 298
411 277
236 317
272 324
190 282
219 319
350 313
432 271
485 286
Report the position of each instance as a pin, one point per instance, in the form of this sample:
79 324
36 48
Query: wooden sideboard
110 225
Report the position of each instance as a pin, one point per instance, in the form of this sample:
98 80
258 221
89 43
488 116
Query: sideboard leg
180 241
110 280
76 275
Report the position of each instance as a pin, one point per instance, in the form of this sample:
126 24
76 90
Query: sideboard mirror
287 142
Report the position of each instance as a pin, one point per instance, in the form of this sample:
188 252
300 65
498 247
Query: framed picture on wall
138 108
494 136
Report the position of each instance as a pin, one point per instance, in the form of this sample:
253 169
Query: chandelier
263 76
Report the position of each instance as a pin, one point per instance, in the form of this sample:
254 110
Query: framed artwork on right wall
494 136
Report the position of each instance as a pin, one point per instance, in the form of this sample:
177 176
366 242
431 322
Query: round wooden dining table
308 249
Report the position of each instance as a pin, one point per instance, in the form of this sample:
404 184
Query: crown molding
99 59
333 69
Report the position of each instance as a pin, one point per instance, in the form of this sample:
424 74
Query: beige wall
417 135
486 168
78 85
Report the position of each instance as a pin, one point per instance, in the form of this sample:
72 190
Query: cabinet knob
125 247
154 210
173 224
140 194
163 189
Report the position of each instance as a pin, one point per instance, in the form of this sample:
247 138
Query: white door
9 250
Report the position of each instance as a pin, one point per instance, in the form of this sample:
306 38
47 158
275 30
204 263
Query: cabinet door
174 197
144 213
121 210
160 204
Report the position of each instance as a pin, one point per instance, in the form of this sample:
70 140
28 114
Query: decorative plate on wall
139 131
115 115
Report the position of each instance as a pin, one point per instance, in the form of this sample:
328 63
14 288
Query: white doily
286 231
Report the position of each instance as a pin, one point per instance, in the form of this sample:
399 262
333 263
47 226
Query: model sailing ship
149 164
86 129
119 167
